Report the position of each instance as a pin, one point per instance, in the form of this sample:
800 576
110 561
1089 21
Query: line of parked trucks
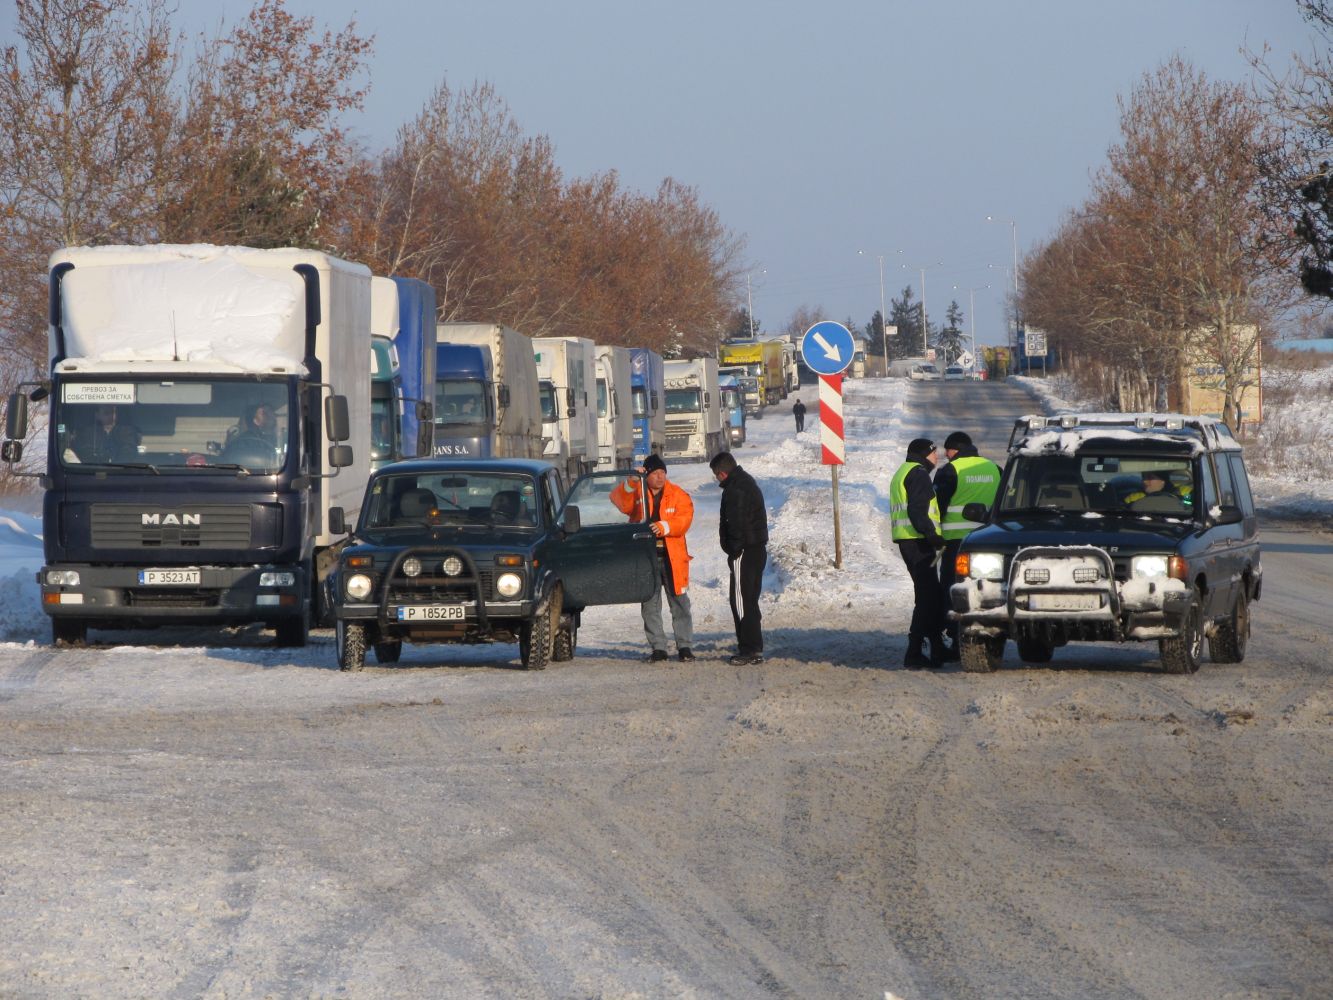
206 407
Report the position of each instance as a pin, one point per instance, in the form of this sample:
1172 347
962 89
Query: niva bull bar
469 577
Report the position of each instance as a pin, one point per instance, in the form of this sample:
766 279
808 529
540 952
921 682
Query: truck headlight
277 579
1148 567
509 584
62 577
985 565
359 586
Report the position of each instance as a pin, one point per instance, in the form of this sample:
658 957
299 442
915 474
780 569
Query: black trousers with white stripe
747 578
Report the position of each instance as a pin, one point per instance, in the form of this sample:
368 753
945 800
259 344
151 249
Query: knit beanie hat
653 462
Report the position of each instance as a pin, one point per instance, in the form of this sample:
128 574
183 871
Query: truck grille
440 589
170 599
122 526
676 442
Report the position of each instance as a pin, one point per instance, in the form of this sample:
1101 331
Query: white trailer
694 421
567 382
615 418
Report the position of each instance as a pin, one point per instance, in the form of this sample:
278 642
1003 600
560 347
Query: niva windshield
159 424
412 505
1105 483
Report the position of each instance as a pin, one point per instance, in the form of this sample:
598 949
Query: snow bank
21 616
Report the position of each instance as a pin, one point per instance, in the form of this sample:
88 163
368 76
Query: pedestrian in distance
743 530
799 411
967 478
915 521
669 512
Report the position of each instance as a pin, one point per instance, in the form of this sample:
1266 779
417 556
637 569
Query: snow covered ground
801 584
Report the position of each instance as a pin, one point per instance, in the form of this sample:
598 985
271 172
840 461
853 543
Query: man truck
694 427
200 398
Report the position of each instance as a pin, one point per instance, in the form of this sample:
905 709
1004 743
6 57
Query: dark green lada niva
487 550
1112 527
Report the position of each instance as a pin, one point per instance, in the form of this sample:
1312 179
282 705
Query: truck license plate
1064 602
433 613
168 578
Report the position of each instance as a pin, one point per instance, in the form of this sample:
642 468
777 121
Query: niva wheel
980 654
351 639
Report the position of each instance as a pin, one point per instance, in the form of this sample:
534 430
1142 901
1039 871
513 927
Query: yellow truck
761 359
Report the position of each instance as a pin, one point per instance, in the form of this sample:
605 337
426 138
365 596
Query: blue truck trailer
648 393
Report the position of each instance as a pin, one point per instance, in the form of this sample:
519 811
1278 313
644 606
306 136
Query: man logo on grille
168 519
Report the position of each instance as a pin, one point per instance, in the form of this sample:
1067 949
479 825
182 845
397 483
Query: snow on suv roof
1036 434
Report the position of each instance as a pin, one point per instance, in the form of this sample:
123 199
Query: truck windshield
382 414
410 505
156 424
460 402
683 401
547 396
640 395
601 397
730 399
1107 482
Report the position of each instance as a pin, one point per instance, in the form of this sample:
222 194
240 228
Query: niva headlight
359 586
509 584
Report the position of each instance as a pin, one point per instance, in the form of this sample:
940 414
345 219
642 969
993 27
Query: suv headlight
509 584
985 565
359 586
1148 567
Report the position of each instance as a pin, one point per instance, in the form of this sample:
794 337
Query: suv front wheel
1181 654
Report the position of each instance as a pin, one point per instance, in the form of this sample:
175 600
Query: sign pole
837 522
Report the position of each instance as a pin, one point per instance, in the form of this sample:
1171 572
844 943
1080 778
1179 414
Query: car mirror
977 512
570 519
1229 515
337 521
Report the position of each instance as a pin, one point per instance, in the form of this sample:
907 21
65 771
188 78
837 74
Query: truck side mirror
654 400
569 401
337 521
16 417
336 422
11 451
504 395
340 456
425 412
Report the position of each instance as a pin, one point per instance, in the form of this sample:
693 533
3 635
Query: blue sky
817 129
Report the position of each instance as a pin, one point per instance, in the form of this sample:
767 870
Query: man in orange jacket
669 513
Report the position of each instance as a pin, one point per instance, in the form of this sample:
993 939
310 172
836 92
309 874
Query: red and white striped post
833 447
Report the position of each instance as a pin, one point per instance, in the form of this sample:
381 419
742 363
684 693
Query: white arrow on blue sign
827 348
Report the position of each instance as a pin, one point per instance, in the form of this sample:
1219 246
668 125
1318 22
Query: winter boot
915 659
939 653
948 653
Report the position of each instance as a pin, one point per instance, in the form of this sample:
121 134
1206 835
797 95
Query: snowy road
224 819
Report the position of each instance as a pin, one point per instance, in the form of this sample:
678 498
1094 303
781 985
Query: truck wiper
102 466
240 470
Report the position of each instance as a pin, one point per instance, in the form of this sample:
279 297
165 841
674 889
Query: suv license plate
433 613
1064 602
168 578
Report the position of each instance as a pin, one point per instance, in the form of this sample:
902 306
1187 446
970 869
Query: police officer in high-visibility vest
915 519
968 478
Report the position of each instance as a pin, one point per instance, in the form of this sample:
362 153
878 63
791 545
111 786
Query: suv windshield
161 424
1105 482
411 505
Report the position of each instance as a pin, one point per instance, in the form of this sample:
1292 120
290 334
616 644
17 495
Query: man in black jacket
743 527
798 410
915 521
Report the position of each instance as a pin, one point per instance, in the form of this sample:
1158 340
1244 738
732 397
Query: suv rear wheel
351 638
537 637
1231 636
1181 655
566 640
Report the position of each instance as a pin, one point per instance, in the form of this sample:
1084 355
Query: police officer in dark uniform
915 522
967 478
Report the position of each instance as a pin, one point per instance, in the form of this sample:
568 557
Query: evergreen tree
949 341
741 326
905 314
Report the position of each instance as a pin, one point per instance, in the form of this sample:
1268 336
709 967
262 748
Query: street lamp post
925 324
749 304
1013 235
883 317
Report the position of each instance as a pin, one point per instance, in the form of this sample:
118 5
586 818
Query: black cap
957 441
920 447
654 462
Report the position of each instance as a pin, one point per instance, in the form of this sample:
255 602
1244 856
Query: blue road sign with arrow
827 348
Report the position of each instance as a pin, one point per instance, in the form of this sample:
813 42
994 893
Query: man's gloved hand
658 528
939 541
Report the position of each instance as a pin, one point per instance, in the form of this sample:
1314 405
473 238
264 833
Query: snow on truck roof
221 308
1068 433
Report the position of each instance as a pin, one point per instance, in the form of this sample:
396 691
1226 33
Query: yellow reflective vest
900 521
978 481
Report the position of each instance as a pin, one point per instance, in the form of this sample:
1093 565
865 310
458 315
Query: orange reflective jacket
676 513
